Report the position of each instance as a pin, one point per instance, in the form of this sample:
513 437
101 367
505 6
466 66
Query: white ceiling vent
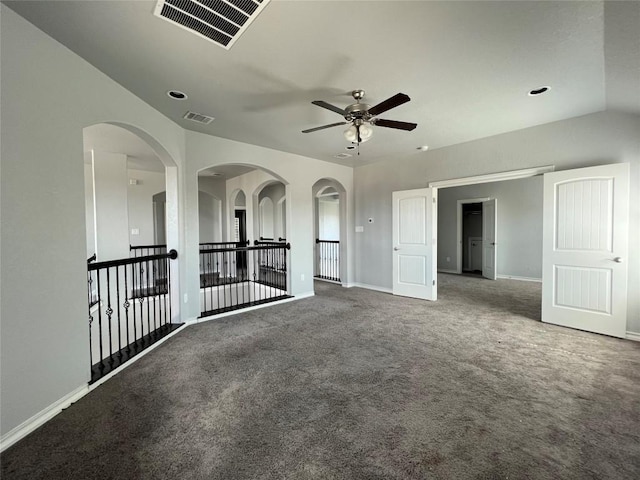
220 21
198 118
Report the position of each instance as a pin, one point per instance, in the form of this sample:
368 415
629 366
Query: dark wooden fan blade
389 103
323 127
380 122
328 106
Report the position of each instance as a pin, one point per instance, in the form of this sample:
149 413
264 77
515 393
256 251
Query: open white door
585 242
414 246
489 235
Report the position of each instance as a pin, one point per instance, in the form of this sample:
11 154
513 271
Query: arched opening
266 219
249 264
131 215
271 201
329 230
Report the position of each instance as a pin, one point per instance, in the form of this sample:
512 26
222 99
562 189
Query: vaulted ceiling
467 66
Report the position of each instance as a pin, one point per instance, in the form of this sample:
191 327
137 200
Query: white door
585 242
414 246
489 235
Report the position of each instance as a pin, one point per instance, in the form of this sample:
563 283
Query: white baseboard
299 296
523 279
369 287
42 417
444 270
633 336
133 360
316 279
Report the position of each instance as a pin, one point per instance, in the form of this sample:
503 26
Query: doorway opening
471 244
329 230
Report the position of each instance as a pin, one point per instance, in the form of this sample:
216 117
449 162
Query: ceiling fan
362 117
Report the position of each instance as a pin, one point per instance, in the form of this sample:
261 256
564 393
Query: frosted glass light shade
351 133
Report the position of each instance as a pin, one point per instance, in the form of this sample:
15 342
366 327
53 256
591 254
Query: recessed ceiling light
423 148
177 95
343 155
539 91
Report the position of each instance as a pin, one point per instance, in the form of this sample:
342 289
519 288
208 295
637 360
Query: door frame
488 178
460 232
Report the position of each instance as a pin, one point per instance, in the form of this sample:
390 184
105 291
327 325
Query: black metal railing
92 286
272 264
216 267
218 245
130 305
146 250
238 277
328 259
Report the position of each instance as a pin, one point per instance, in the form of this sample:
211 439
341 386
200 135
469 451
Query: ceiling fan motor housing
357 111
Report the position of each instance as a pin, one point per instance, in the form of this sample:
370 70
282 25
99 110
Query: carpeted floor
356 384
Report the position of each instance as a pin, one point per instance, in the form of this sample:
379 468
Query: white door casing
585 248
489 237
414 267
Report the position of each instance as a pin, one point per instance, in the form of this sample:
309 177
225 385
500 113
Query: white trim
133 360
459 232
493 177
633 336
443 270
368 287
326 281
523 279
248 309
40 418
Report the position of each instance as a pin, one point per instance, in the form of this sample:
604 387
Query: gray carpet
356 384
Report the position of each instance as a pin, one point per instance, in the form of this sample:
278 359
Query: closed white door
585 242
489 235
414 248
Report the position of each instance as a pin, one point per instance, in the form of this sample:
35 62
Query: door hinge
434 283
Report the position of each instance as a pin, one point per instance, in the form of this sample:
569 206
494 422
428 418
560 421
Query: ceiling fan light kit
362 117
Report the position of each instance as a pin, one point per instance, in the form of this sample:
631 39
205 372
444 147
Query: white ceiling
467 66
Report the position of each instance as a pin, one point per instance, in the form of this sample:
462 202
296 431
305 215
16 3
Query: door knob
396 248
618 259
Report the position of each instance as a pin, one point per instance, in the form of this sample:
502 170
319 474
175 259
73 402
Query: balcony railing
328 259
237 277
129 308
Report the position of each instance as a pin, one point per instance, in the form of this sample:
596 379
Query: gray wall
596 139
44 341
519 224
213 224
140 202
209 220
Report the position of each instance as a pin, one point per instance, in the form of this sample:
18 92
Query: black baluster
101 366
119 319
126 305
109 313
147 293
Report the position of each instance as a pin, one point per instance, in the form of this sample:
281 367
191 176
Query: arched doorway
132 300
249 265
329 230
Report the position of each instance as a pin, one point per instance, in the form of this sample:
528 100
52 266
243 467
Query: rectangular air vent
220 21
198 117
